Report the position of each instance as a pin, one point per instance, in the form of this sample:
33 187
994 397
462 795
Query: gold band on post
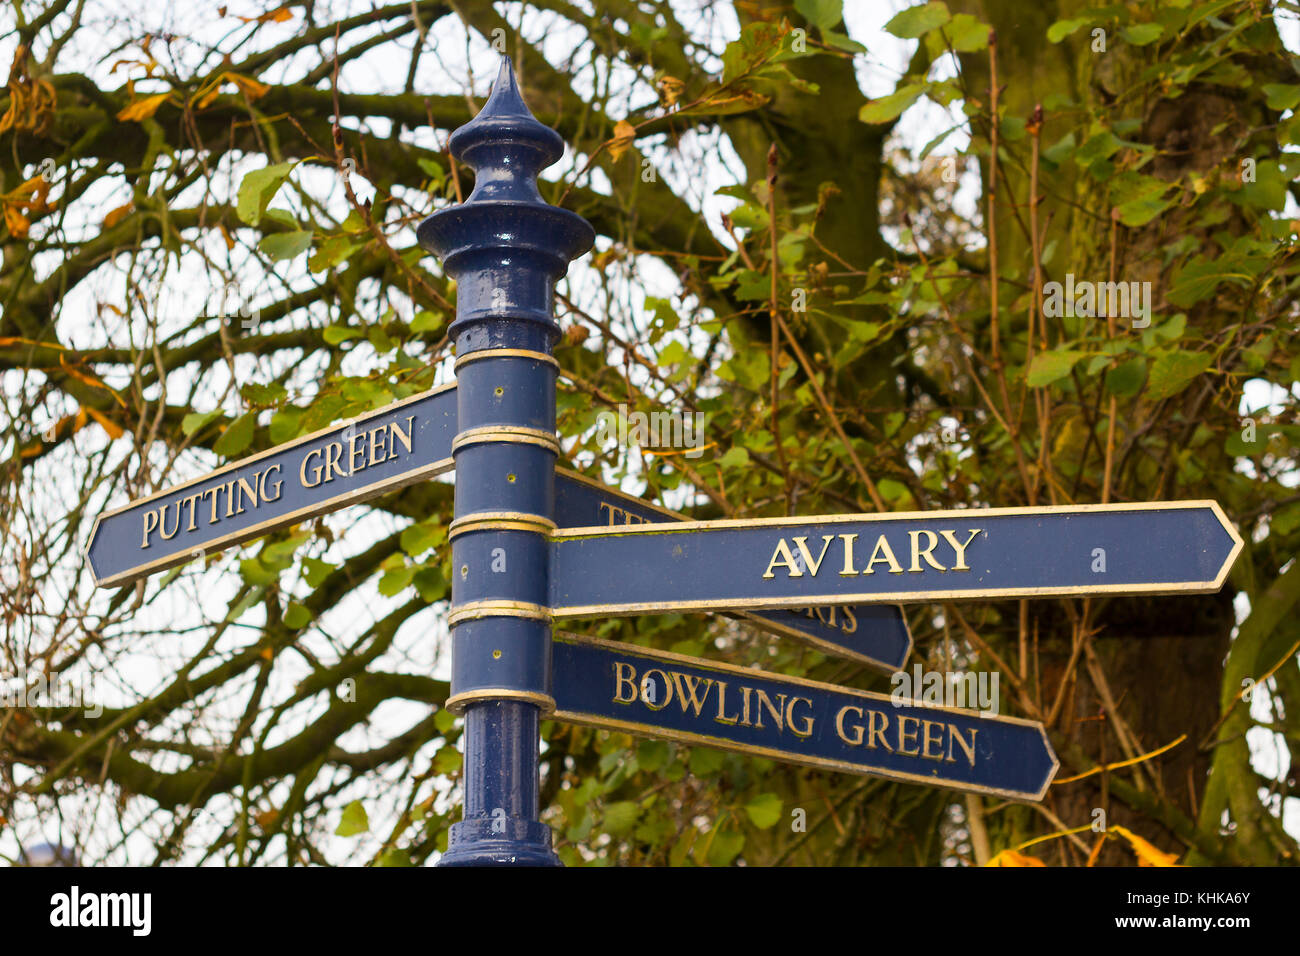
506 353
500 521
475 610
516 434
456 703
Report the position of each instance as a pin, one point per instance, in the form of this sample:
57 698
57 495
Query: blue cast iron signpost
531 544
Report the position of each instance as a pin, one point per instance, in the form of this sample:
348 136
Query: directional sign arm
975 554
685 699
348 462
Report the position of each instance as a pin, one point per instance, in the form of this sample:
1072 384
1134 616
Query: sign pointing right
975 554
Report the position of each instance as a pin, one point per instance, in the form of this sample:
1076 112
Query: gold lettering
262 485
787 561
904 736
961 564
807 721
378 442
955 734
812 565
918 552
850 621
316 470
190 501
874 731
839 726
404 438
848 571
668 690
355 451
620 680
230 498
722 717
215 492
926 739
688 684
882 546
332 452
162 522
744 710
149 527
242 488
777 712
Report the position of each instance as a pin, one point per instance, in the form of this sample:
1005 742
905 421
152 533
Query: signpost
531 543
650 693
875 635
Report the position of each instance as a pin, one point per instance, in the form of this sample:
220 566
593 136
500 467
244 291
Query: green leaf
764 810
888 108
1141 34
286 245
426 321
334 334
444 720
1048 367
237 436
331 252
726 846
257 190
195 421
1061 29
1281 96
705 762
736 457
1126 379
967 34
448 760
421 536
315 571
620 817
284 424
917 21
1173 371
394 581
1141 211
395 857
296 616
823 14
354 820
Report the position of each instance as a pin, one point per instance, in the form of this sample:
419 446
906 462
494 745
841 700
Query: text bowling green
319 466
903 731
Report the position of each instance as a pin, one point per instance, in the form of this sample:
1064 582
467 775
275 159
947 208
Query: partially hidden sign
875 635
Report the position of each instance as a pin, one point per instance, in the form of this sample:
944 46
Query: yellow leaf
1012 858
117 215
624 133
249 86
225 234
16 222
670 88
144 108
113 428
204 101
1147 854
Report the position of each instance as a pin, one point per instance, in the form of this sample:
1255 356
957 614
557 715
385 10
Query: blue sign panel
351 461
1156 548
673 697
876 635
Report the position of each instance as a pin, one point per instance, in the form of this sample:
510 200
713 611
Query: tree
200 263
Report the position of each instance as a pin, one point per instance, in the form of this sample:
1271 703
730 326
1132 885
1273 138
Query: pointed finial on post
504 245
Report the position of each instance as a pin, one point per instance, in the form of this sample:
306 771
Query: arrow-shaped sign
402 443
1155 548
875 635
670 696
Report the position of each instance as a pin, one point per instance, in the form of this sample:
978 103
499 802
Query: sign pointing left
348 462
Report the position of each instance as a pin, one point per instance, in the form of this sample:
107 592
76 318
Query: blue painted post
506 248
